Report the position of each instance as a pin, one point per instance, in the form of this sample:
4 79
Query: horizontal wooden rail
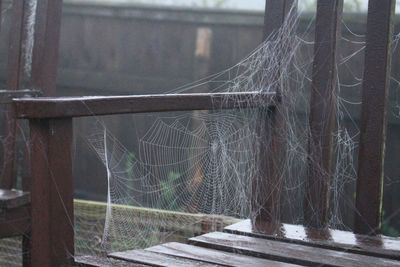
6 96
64 107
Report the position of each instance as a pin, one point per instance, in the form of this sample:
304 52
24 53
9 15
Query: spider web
192 172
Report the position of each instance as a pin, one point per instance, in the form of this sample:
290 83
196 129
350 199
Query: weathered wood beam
322 112
373 116
97 106
267 186
52 236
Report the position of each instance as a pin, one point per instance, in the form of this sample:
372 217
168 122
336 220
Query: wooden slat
267 185
45 51
156 259
95 106
214 256
322 112
92 261
373 116
378 246
51 193
292 253
14 78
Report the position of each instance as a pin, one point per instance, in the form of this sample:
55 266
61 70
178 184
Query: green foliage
168 191
388 229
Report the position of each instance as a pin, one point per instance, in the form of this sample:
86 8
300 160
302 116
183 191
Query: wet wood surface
214 256
379 246
241 249
91 261
286 252
157 259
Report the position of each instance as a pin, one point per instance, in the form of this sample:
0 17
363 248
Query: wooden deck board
92 261
293 245
283 251
157 259
214 256
380 246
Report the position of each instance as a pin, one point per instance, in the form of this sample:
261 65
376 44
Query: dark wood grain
214 256
96 106
156 259
93 261
322 112
51 193
378 246
373 116
10 199
283 251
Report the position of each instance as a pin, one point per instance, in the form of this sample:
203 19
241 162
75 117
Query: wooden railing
50 121
51 135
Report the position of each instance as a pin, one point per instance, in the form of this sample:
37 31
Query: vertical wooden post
45 51
373 116
52 238
322 112
14 78
267 187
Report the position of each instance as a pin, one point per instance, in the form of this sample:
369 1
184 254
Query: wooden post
52 239
14 78
373 117
322 112
52 234
45 51
267 187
